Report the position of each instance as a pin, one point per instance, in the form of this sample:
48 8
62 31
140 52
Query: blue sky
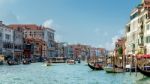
94 22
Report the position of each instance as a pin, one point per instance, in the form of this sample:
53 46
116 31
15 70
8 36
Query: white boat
47 63
71 62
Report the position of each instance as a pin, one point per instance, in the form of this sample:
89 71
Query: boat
145 71
71 62
26 61
48 63
143 64
12 62
111 69
79 61
130 69
95 66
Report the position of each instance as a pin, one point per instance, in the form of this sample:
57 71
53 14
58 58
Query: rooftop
28 26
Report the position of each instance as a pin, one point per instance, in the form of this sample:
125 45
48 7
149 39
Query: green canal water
36 73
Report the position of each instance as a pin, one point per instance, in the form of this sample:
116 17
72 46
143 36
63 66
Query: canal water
36 73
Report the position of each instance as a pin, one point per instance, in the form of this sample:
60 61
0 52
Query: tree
120 51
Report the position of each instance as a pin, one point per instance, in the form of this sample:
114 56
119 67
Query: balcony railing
141 44
141 32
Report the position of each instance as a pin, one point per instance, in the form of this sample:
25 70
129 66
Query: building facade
7 40
38 40
18 44
50 41
137 30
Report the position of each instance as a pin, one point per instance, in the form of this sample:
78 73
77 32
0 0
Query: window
7 36
146 16
148 39
147 27
128 28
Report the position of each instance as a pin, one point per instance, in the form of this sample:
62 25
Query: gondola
11 62
25 61
94 67
144 72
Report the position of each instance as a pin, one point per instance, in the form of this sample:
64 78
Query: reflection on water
144 80
36 73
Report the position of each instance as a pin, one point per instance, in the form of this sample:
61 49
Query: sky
98 23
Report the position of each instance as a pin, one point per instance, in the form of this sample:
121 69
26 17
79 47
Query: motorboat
71 62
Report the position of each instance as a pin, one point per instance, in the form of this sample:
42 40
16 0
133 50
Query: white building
6 35
50 41
137 30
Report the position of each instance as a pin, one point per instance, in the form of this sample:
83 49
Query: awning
144 56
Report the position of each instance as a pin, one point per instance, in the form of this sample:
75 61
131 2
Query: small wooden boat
25 62
144 71
111 69
95 66
12 62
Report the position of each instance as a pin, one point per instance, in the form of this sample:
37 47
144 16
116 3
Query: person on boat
115 66
96 65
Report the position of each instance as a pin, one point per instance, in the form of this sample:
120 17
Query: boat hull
95 68
113 70
47 64
109 69
146 73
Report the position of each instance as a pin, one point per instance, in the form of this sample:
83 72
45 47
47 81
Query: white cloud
48 23
58 38
111 45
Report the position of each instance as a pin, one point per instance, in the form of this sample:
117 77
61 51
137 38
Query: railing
141 32
141 44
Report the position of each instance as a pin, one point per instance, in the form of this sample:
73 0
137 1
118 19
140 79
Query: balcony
141 32
141 45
